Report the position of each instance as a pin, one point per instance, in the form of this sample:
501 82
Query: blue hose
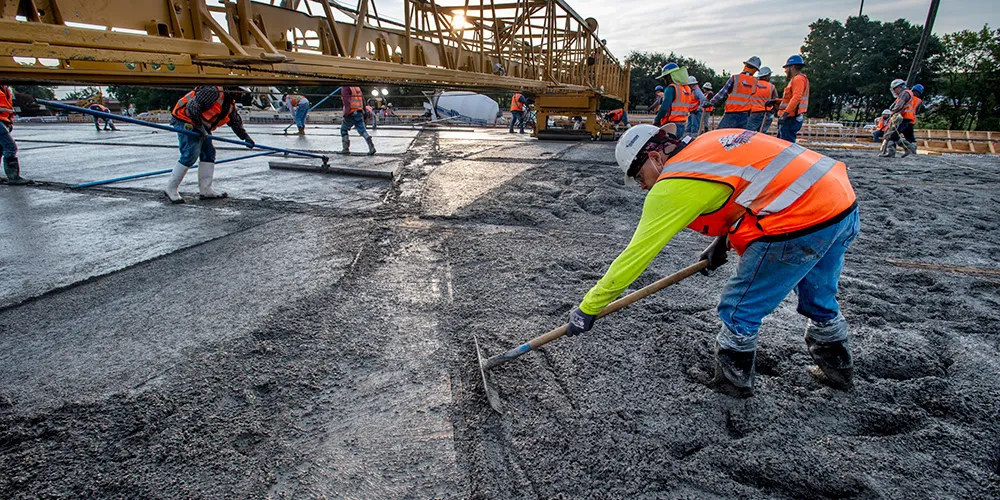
158 172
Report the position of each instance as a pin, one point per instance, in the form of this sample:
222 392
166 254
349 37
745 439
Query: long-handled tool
894 131
313 107
485 364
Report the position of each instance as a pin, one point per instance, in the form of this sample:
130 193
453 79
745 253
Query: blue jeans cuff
834 330
733 341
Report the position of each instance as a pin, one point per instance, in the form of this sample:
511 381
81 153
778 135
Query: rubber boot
346 142
371 145
176 176
206 173
734 372
12 168
908 149
890 149
834 364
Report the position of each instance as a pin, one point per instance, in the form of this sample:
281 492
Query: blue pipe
178 130
316 105
158 172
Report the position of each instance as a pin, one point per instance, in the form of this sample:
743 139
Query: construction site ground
312 335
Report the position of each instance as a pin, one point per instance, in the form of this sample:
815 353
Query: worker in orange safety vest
518 107
794 100
738 93
11 164
881 126
355 112
764 101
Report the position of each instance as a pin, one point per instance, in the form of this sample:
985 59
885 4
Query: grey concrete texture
312 337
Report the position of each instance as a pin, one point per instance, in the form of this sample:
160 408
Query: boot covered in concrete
176 176
12 169
908 149
734 372
890 149
371 145
834 364
346 143
206 173
302 131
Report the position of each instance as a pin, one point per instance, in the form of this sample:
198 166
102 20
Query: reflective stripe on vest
516 104
881 124
6 101
760 96
213 117
786 97
680 108
741 95
909 111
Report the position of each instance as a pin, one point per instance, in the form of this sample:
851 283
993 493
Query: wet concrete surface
312 335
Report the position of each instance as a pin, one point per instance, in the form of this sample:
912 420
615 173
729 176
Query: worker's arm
669 207
236 123
700 96
723 92
798 90
900 102
668 101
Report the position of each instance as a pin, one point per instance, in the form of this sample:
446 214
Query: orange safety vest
6 101
741 95
708 97
214 116
909 111
516 104
786 97
778 187
761 95
353 100
680 108
616 115
294 99
882 123
100 107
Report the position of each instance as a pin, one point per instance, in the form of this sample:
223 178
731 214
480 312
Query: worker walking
905 106
765 98
881 126
299 107
108 123
794 100
694 117
518 106
789 212
677 96
354 117
658 100
203 110
707 108
738 92
11 165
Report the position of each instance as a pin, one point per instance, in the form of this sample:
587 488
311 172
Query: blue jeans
767 122
767 271
878 135
7 143
789 130
193 148
694 120
354 120
516 117
734 120
300 114
108 124
755 121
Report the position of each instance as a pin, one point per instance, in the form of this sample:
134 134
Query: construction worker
11 165
655 107
108 123
708 109
794 100
354 117
518 106
738 92
765 98
299 106
791 223
906 104
881 126
617 117
677 94
694 117
203 110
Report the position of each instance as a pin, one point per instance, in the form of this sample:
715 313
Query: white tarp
466 107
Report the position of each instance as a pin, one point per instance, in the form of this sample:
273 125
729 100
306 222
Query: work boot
206 172
176 176
908 149
734 372
890 149
834 365
346 142
371 146
12 168
302 131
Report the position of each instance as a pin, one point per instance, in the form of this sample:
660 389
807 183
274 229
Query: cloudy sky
723 33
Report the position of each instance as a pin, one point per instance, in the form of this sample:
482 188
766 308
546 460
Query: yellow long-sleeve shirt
670 206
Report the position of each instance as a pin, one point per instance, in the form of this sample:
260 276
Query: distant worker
657 100
791 223
108 123
794 100
694 118
707 108
906 104
677 96
389 111
203 110
354 117
518 107
881 126
765 99
738 92
499 70
299 107
11 165
617 117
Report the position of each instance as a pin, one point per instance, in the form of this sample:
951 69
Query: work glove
782 118
715 254
201 131
250 143
579 322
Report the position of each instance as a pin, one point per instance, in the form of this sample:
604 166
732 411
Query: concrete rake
486 364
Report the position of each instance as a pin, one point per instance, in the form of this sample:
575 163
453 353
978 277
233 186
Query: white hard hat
896 83
763 71
692 80
886 112
753 62
632 142
707 85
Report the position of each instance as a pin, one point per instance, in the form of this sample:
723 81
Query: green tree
145 98
76 95
646 67
36 91
965 94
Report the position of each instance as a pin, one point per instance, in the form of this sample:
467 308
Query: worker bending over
11 165
789 212
905 106
354 117
794 100
881 126
617 117
108 123
765 99
738 92
203 110
677 96
518 107
298 105
694 117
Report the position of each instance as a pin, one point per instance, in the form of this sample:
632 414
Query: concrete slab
457 184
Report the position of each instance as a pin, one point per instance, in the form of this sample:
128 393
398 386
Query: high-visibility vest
616 115
680 108
882 123
761 95
6 101
786 97
909 111
741 95
294 99
708 97
778 187
516 104
353 100
100 107
214 117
